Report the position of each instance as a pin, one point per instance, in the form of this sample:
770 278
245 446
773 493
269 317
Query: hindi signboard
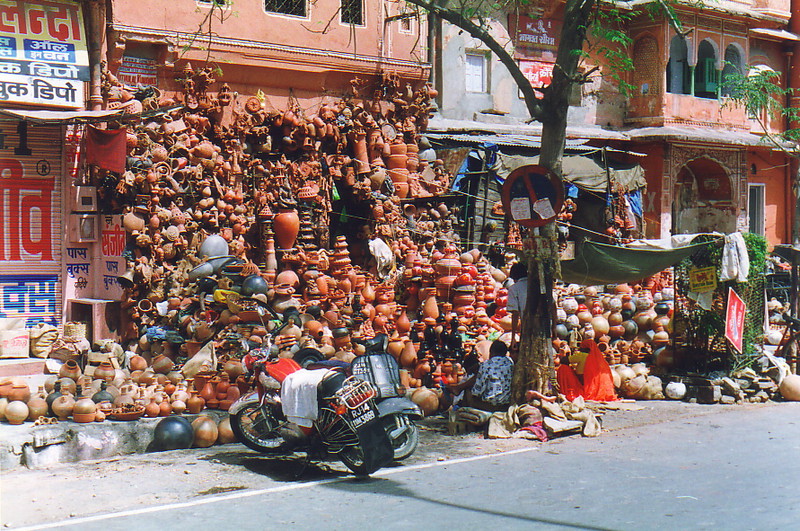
535 37
702 279
43 54
734 320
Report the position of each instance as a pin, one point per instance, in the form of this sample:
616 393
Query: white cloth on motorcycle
299 396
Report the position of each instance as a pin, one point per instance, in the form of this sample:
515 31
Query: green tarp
601 263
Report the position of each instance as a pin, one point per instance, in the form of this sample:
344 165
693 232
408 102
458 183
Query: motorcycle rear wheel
405 444
353 458
257 430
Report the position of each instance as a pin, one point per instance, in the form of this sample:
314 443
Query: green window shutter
710 74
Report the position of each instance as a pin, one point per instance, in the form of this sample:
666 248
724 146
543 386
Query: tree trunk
534 367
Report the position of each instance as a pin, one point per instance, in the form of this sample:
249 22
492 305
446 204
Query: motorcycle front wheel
257 429
404 435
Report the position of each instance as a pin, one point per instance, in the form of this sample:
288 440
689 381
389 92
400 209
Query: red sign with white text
734 320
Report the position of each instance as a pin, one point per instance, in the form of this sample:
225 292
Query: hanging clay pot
286 225
205 432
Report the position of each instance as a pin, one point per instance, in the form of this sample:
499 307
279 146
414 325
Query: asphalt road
735 469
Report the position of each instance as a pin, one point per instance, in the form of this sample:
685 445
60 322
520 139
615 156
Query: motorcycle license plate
362 414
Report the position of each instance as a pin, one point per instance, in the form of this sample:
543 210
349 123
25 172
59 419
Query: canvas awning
601 263
582 171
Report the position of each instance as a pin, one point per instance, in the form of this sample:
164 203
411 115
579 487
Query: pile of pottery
629 323
142 389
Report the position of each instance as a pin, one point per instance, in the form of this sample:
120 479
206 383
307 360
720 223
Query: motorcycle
396 412
347 424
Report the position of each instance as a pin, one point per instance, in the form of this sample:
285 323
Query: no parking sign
734 320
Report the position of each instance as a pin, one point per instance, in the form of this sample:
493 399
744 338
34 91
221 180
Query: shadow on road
278 468
388 487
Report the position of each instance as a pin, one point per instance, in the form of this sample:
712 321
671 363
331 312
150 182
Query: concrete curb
70 442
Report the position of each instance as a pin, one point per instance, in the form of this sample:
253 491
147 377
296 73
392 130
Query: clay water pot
84 411
37 407
137 363
395 348
196 403
164 408
286 226
426 399
430 308
151 409
19 391
70 370
402 323
105 371
16 412
408 356
205 432
62 406
178 407
790 387
224 432
162 364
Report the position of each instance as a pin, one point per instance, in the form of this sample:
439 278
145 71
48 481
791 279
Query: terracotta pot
105 371
208 393
426 399
37 407
430 308
162 364
205 432
286 225
408 356
19 391
70 370
62 406
195 404
224 432
137 363
152 409
84 410
164 408
16 412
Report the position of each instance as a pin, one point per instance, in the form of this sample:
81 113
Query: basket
75 330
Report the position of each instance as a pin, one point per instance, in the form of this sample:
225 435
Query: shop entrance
703 199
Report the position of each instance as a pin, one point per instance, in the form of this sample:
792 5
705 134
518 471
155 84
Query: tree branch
532 102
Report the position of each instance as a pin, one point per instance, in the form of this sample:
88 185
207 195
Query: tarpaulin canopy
582 171
601 263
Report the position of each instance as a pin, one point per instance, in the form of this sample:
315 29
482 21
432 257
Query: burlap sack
42 337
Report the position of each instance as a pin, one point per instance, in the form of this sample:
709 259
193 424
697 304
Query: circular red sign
532 195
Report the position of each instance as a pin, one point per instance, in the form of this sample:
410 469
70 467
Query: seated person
490 388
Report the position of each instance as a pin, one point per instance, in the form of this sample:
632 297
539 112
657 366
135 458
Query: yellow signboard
703 279
43 54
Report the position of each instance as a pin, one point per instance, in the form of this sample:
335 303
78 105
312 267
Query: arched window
706 75
646 72
733 65
678 81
